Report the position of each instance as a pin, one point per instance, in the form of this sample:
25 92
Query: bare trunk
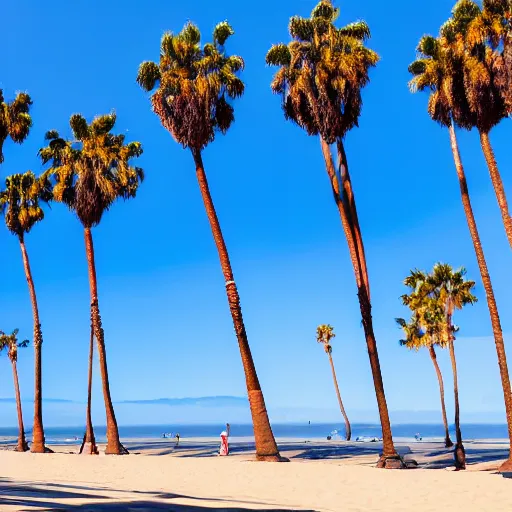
390 458
459 452
22 445
89 442
266 447
348 430
491 301
497 184
447 441
349 200
37 430
114 446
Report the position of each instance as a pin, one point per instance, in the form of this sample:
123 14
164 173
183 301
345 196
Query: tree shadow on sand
27 497
473 456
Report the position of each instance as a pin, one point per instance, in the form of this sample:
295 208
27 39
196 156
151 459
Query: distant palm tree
89 441
20 204
440 72
425 329
90 175
471 36
194 85
15 120
322 72
324 335
10 342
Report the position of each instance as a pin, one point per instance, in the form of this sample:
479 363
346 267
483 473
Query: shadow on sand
27 497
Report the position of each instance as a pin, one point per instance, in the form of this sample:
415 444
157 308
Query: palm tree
439 71
90 175
492 26
20 204
89 442
194 84
321 74
450 290
10 341
469 34
324 335
15 120
425 329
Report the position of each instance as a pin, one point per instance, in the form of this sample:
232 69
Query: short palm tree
469 35
425 329
193 86
324 335
15 120
322 72
10 342
450 290
20 203
90 175
438 70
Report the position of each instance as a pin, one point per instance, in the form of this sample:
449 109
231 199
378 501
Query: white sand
191 479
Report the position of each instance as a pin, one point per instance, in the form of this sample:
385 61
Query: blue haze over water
65 435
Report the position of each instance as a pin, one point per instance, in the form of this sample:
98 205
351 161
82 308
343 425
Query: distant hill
204 401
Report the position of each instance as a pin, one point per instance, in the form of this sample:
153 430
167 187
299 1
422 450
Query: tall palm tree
469 35
194 85
425 329
90 175
15 120
321 74
10 342
89 442
439 71
493 26
20 204
324 335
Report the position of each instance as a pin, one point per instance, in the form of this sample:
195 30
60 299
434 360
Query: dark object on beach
411 463
177 439
459 455
506 474
329 438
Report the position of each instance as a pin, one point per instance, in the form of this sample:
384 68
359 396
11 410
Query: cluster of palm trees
320 77
433 299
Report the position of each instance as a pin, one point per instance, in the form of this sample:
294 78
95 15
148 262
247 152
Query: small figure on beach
418 437
224 443
177 438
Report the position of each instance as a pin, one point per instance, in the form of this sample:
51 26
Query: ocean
405 432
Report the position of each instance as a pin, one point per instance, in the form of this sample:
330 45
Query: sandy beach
321 476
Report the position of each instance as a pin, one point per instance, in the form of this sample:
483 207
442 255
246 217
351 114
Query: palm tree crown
322 71
193 84
324 334
15 120
91 172
20 199
10 342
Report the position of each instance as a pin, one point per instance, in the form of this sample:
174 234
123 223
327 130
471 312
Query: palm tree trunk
349 200
447 441
266 447
348 430
37 429
89 443
459 453
497 184
22 445
114 446
489 292
390 458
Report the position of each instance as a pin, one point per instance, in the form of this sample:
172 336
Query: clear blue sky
167 325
